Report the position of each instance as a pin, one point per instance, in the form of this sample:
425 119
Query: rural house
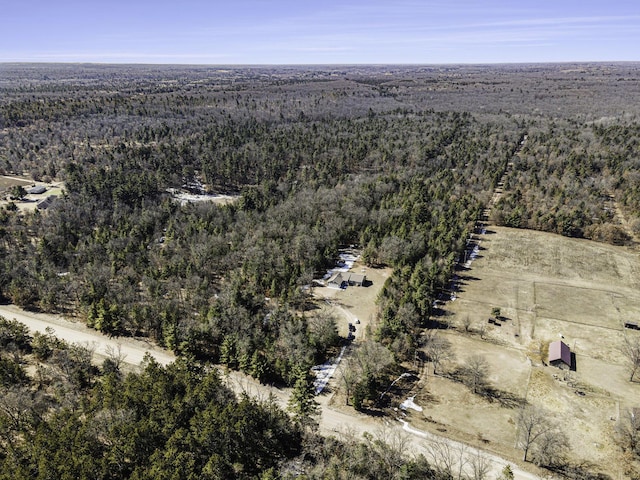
560 355
342 279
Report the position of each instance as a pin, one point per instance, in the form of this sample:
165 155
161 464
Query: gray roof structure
351 278
37 189
46 203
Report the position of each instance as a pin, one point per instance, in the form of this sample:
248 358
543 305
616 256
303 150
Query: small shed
560 355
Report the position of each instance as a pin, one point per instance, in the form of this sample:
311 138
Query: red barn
559 355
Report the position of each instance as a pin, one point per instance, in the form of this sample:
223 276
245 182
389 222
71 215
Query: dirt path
454 450
622 219
499 190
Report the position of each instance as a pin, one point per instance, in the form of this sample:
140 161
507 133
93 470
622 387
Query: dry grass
6 182
547 287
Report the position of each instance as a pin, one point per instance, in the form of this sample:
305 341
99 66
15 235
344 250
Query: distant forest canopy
398 160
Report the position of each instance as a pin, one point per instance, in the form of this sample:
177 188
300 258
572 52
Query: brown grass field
6 182
548 287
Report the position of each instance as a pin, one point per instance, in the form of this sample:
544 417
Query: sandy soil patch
184 197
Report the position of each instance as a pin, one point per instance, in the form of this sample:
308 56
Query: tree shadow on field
468 278
434 324
463 281
428 398
373 412
505 399
310 306
583 471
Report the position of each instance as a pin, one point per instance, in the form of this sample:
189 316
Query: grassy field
548 288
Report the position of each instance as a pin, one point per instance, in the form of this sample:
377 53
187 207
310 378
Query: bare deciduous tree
628 431
551 448
14 407
115 355
449 457
391 446
475 372
349 379
466 323
480 466
631 352
482 329
438 349
536 429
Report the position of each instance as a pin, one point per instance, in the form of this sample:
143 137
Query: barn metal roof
559 351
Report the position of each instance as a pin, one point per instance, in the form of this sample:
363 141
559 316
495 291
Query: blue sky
318 32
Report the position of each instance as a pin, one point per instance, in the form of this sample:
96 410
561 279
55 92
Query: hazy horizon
284 32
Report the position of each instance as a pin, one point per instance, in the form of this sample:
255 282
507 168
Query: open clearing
356 303
31 200
548 288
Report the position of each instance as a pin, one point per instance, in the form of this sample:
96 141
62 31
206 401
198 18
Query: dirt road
75 332
332 421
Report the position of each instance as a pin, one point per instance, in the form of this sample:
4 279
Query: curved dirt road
332 421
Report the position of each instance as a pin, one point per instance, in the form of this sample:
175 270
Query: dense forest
398 161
